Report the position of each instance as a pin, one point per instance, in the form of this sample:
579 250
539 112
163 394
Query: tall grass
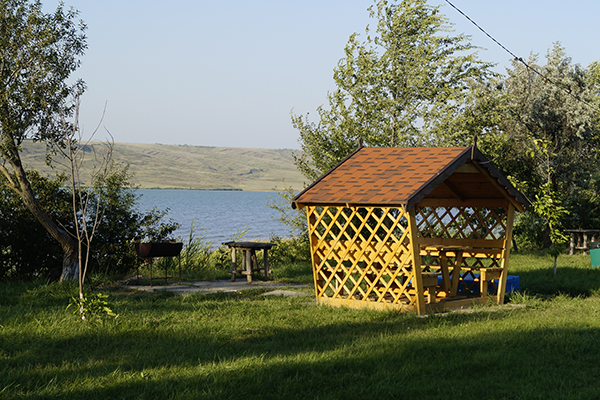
250 346
199 261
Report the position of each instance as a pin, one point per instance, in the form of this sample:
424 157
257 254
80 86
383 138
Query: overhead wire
519 59
529 69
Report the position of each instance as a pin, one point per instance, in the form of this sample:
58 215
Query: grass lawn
245 345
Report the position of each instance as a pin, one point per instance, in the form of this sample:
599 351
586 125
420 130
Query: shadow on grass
392 356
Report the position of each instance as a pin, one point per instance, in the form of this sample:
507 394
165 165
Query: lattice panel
462 223
362 253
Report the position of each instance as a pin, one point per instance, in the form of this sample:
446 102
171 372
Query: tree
552 152
21 233
38 54
405 86
86 200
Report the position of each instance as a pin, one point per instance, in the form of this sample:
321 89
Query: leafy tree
548 206
404 86
39 53
554 145
27 251
122 223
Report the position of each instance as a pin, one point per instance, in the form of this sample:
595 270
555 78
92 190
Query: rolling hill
164 166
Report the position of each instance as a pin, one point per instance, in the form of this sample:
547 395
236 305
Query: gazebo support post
416 261
506 254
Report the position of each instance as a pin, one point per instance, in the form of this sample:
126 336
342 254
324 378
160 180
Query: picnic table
450 269
249 260
580 238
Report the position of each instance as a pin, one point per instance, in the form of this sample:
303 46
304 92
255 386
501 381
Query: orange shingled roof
391 176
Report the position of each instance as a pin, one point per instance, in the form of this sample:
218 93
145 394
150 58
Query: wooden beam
353 303
502 189
467 168
415 251
454 190
453 202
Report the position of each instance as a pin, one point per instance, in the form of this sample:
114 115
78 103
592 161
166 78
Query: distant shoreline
180 167
208 190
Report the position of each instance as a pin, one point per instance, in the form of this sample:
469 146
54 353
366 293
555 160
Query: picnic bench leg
233 264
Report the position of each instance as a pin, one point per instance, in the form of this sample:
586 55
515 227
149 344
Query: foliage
123 224
550 208
112 252
39 53
555 136
91 307
404 86
21 233
293 218
289 250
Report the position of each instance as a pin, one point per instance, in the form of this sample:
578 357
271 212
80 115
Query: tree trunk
70 269
23 188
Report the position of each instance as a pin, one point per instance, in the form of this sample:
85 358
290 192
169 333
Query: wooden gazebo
415 229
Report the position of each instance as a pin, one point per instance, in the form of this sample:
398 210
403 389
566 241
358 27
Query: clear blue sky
228 72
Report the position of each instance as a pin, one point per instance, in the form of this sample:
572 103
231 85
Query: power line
519 59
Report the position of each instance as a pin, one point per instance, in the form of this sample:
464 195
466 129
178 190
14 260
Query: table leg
572 244
248 257
266 263
456 272
233 264
445 273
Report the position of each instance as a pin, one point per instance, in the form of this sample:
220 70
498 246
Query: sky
229 72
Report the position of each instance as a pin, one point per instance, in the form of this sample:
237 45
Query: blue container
512 284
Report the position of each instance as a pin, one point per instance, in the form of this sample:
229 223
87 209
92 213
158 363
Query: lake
217 215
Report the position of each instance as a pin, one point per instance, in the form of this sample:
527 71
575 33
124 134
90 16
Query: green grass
245 345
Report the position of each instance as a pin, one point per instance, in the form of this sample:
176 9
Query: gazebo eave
301 205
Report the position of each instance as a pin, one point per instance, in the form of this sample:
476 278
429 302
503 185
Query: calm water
217 215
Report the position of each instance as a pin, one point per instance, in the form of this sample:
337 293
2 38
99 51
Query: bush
289 250
28 252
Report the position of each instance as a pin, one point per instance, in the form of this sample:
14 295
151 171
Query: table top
249 245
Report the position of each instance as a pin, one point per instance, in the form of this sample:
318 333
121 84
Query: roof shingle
398 176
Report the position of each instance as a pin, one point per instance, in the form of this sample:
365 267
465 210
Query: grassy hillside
196 167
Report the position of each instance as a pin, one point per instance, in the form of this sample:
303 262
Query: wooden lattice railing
362 254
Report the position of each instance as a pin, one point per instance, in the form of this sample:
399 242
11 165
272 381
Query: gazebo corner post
506 254
312 240
415 250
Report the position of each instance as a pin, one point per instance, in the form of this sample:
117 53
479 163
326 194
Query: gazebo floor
444 304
